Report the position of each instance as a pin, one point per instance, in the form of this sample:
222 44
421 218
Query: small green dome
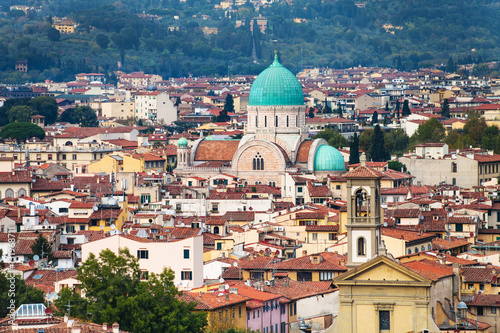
328 158
183 142
276 85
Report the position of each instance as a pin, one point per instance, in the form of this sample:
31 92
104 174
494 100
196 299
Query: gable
381 268
383 271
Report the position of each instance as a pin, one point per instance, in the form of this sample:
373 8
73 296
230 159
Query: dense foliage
22 131
115 293
24 294
338 34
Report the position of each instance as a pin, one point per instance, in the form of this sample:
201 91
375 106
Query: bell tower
182 153
363 214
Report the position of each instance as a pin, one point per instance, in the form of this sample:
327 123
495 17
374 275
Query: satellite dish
226 286
235 264
422 217
450 214
221 280
385 224
36 257
102 227
31 263
95 208
113 227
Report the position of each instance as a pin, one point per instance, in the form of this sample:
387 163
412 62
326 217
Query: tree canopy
333 137
41 247
24 294
432 131
354 149
22 131
378 153
83 115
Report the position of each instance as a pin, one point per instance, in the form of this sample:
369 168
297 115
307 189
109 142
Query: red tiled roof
405 234
363 172
327 262
484 274
216 150
444 244
212 300
430 269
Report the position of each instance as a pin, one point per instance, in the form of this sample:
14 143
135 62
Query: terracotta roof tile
363 172
303 152
216 150
212 300
430 269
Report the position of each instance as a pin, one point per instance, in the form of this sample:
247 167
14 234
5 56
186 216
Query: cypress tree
375 117
354 149
377 149
406 108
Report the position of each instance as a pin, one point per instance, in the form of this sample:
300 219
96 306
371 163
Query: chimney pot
116 327
105 326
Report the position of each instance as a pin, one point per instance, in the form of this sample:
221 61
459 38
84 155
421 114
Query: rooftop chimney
363 159
76 328
116 327
105 326
227 297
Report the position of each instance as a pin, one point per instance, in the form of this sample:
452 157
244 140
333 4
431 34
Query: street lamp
460 306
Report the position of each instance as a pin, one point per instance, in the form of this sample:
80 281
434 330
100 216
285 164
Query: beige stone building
275 140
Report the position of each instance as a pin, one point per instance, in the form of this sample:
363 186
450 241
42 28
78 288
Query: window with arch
429 247
258 162
256 121
265 121
9 193
423 248
287 121
416 249
216 230
361 246
22 192
276 121
361 203
409 251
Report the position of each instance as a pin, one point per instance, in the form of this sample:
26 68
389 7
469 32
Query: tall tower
182 153
363 214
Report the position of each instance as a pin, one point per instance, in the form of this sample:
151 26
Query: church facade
276 139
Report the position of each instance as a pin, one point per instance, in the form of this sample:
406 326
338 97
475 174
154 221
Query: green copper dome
183 142
328 158
276 85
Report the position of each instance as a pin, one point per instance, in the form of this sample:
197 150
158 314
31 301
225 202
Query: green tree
310 114
432 131
47 107
365 140
115 292
102 40
454 139
398 106
377 149
83 115
397 166
24 294
21 113
354 149
450 66
339 110
474 127
22 131
387 106
327 109
490 138
396 142
42 248
77 304
375 117
53 34
406 108
333 137
445 109
228 107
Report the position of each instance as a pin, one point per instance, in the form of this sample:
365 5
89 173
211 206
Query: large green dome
328 158
276 85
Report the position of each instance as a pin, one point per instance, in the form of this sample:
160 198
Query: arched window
287 121
265 121
258 162
429 247
361 246
256 121
68 143
276 121
423 248
416 249
9 193
216 230
360 202
22 192
296 121
409 251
